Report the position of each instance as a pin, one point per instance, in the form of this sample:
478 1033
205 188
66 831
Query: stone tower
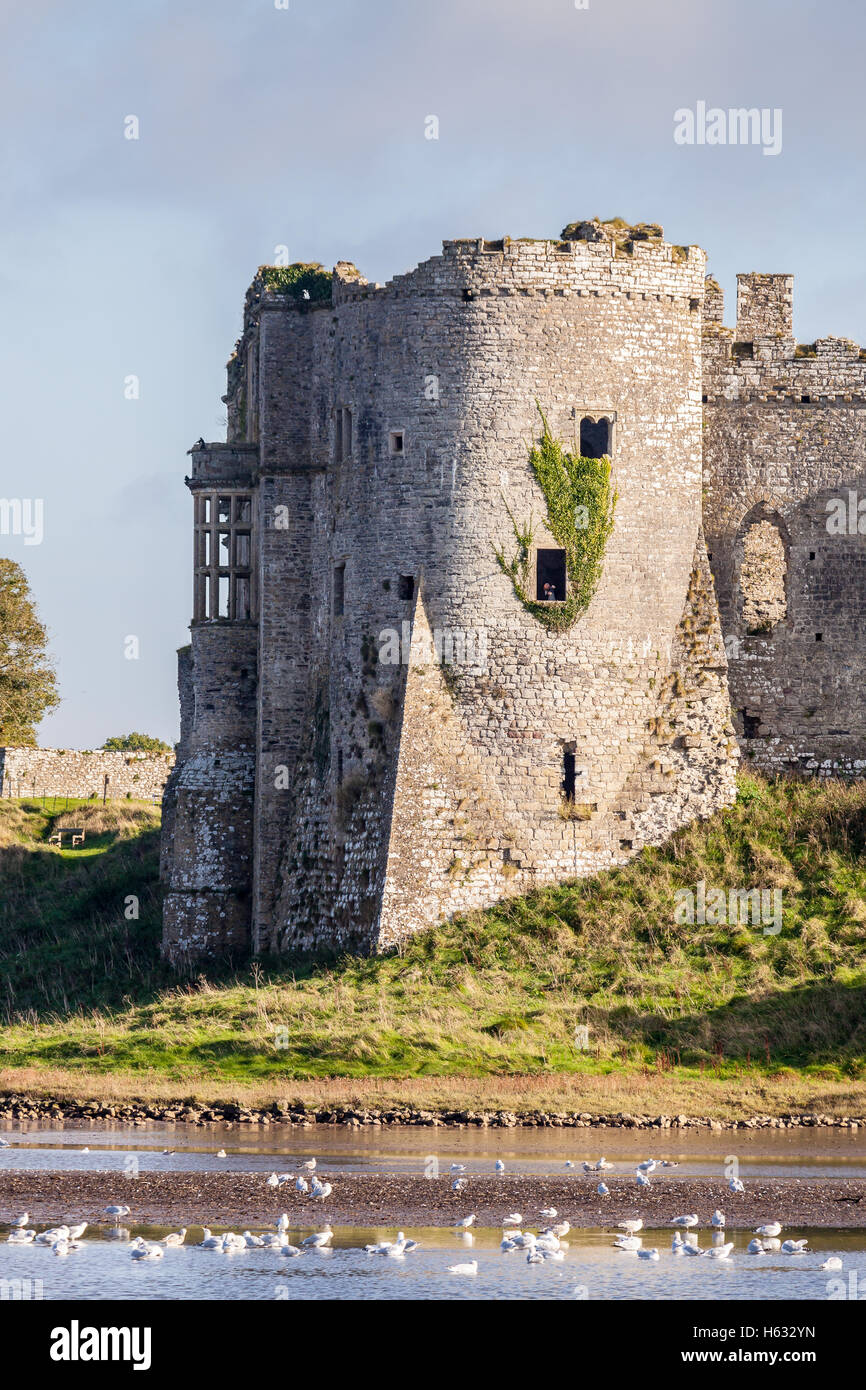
377 732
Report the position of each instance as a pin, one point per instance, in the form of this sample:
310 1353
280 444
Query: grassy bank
689 1017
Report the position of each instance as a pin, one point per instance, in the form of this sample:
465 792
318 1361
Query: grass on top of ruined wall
499 992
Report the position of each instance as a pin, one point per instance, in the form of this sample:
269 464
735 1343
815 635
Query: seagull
718 1219
4 1143
549 1213
642 1180
719 1252
210 1242
309 1165
253 1242
773 1244
631 1226
669 1163
648 1165
602 1164
221 1153
322 1191
794 1247
273 1180
770 1228
685 1221
755 1247
677 1243
507 1242
302 1185
561 1229
833 1263
76 1232
551 1254
569 1164
319 1238
736 1186
283 1223
691 1249
458 1168
21 1220
628 1242
287 1249
458 1184
117 1211
648 1254
469 1268
515 1219
500 1166
603 1190
20 1237
465 1223
146 1252
535 1257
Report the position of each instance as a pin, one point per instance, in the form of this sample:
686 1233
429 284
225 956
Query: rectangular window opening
406 586
594 437
550 582
569 775
395 441
339 590
223 597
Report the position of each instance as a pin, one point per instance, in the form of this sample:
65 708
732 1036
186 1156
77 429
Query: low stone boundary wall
81 774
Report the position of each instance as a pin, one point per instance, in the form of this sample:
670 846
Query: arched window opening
762 578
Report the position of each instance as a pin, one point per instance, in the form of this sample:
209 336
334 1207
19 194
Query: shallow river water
591 1269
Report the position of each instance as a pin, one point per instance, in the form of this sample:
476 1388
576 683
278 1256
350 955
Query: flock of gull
547 1244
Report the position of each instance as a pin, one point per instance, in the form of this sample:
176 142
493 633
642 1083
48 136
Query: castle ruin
376 733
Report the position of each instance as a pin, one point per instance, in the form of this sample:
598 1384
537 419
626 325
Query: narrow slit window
339 590
395 441
338 436
347 434
569 775
406 586
550 576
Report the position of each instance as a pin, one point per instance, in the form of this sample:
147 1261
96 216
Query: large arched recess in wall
761 575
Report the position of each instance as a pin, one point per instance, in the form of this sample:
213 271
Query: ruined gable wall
784 433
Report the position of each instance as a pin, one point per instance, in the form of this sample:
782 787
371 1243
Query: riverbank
233 1199
648 1101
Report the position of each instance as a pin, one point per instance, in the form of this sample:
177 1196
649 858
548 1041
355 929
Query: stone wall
390 793
73 773
785 450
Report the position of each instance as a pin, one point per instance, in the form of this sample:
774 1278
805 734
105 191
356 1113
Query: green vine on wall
580 501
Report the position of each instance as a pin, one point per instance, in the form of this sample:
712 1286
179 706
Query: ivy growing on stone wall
303 280
580 502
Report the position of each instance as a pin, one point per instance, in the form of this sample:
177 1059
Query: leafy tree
135 743
28 684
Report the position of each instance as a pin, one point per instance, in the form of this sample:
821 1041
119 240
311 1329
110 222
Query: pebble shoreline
29 1108
391 1200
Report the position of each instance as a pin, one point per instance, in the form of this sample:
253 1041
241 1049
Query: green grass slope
500 992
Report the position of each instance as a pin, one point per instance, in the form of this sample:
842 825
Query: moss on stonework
580 504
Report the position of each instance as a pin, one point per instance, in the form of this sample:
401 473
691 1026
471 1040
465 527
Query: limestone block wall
419 790
80 773
785 449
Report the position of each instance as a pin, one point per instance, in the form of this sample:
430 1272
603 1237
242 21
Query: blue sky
305 127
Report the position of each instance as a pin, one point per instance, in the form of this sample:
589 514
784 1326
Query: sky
304 123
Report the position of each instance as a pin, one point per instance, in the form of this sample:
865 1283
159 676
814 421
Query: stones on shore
23 1107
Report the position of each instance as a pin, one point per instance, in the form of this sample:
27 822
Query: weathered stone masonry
71 772
331 794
